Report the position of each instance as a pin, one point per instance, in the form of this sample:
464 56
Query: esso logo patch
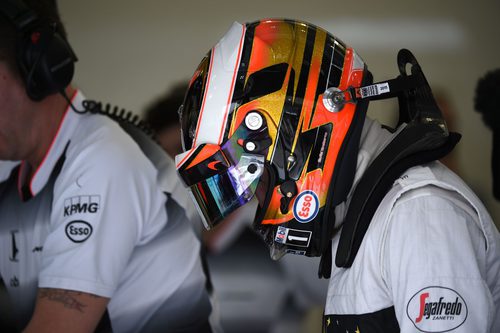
306 206
437 309
78 231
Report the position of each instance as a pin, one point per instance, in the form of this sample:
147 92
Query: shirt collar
30 188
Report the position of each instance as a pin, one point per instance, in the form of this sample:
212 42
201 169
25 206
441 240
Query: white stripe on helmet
224 64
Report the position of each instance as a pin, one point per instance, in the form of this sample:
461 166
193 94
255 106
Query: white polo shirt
103 214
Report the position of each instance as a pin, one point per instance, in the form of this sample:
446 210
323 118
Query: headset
45 59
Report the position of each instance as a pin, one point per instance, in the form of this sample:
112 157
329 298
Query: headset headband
44 57
18 13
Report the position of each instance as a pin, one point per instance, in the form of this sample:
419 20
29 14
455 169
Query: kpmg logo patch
78 231
437 309
82 204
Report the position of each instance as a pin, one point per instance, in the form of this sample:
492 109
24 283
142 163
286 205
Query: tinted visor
222 193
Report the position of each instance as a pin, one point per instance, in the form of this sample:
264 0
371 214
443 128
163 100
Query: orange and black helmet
258 121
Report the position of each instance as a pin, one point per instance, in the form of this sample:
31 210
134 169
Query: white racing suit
429 262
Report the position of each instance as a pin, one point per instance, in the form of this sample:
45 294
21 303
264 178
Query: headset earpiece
47 62
45 59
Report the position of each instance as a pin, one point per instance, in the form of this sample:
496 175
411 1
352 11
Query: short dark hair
163 112
47 13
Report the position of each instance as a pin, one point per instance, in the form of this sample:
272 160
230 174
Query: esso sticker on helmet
306 206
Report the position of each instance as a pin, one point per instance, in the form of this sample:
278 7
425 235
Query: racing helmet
263 120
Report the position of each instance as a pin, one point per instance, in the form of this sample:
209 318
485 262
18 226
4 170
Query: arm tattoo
65 297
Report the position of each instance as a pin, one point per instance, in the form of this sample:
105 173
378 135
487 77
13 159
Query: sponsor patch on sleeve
81 204
437 309
78 231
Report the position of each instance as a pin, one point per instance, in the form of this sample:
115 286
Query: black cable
118 114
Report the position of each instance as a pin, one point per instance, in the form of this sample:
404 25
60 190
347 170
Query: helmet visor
220 194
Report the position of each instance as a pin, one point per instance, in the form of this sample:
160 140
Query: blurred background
132 52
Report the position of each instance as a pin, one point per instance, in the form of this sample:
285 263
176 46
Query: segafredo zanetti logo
437 309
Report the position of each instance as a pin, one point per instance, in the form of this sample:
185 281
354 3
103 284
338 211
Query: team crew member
94 226
275 112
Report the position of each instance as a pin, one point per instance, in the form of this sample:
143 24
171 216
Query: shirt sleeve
434 265
105 203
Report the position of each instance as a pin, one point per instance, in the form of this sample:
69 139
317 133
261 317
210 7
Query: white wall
132 51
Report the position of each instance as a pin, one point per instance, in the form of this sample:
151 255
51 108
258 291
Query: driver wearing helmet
276 112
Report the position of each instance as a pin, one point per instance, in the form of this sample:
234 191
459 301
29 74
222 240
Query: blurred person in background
94 225
163 118
275 115
487 103
446 106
